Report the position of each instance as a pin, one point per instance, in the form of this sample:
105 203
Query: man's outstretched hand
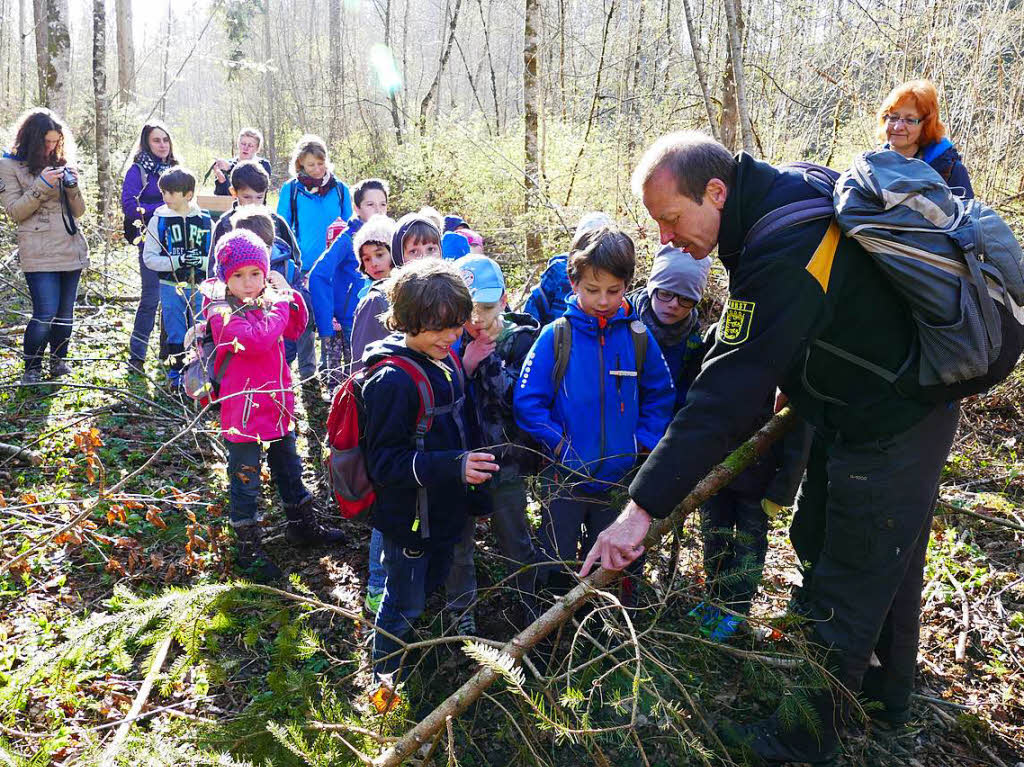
621 542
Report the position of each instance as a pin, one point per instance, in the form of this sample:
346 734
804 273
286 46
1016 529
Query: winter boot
252 559
58 367
304 529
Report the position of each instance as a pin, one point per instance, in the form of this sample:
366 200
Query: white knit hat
378 230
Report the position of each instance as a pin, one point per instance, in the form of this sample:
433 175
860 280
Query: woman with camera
39 190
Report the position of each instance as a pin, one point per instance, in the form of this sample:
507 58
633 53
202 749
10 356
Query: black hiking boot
304 529
252 559
771 744
893 713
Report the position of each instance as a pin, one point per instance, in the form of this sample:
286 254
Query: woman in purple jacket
140 196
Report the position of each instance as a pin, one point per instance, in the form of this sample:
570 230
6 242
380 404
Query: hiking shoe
136 366
304 529
716 625
372 602
465 624
31 377
770 743
59 368
252 559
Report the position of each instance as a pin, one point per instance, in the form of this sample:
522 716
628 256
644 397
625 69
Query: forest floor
116 552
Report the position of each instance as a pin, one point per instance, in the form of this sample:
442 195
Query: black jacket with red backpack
398 470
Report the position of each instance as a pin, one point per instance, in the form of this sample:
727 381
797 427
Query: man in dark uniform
796 298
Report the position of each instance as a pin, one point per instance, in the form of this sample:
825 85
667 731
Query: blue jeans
244 459
735 532
53 311
145 315
180 309
411 576
375 584
305 347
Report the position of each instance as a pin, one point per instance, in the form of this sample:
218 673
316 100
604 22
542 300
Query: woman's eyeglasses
667 297
913 122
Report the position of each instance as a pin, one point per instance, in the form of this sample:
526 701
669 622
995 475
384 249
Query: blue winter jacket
312 214
603 414
335 282
547 301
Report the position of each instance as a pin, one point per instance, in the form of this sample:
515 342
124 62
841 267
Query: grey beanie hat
591 221
678 271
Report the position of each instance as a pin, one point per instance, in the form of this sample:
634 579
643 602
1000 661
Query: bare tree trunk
436 84
396 116
735 39
22 49
531 110
334 52
490 64
268 88
166 66
125 51
99 84
40 27
698 65
58 44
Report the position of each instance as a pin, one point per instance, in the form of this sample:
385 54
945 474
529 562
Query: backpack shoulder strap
822 180
639 332
295 208
563 346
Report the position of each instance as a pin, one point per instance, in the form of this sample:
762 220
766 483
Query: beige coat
43 243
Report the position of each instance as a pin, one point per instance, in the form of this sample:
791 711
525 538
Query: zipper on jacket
600 374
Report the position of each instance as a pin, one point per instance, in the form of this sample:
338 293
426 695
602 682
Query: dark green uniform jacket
785 293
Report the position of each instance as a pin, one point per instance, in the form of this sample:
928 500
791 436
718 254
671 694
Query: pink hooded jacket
256 399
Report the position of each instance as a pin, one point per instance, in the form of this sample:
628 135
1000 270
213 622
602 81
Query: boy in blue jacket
177 247
595 391
424 491
335 282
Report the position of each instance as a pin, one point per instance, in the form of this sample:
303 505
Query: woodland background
115 577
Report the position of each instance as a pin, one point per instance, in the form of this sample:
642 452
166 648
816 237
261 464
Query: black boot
895 705
771 743
304 529
252 559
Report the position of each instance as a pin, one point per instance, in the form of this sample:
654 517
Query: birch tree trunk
735 40
531 110
335 55
99 85
268 87
125 51
698 66
436 84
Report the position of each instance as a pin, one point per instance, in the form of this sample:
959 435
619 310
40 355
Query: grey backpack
955 262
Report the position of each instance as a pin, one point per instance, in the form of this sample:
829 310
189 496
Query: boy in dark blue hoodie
596 405
335 282
424 491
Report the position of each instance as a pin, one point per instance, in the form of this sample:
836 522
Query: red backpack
346 465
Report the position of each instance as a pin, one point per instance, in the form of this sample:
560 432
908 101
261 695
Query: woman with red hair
908 121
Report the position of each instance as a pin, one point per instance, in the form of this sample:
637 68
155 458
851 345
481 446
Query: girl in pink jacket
249 316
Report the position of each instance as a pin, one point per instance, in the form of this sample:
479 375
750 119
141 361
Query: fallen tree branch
949 508
961 643
720 476
17 452
110 755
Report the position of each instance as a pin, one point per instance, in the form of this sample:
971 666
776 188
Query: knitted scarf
150 163
319 186
665 335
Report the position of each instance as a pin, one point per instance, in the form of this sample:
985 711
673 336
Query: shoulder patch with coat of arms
734 327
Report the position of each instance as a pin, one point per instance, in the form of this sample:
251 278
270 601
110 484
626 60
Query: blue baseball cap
483 278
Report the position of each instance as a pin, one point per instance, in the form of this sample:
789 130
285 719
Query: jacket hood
402 228
584 321
556 277
164 211
453 222
354 225
932 152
